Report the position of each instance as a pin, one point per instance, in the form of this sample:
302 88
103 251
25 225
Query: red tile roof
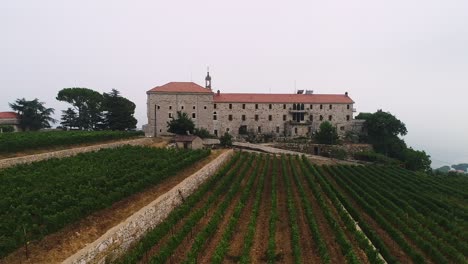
8 115
282 98
181 87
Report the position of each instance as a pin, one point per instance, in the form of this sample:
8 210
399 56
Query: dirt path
237 242
283 232
213 242
393 247
260 245
325 230
309 249
57 247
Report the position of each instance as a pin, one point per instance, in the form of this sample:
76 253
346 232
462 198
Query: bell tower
208 80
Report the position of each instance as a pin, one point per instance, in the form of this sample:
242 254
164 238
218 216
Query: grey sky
406 57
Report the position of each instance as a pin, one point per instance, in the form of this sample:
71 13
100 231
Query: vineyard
16 142
267 209
43 197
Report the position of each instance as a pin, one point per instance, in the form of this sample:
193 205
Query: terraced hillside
267 209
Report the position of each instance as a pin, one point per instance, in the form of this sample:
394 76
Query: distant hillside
461 166
445 169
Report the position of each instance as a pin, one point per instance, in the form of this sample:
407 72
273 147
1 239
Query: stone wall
4 163
118 239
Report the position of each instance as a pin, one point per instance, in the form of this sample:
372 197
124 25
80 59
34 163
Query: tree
69 118
225 140
87 103
417 160
181 125
33 114
327 134
118 111
384 131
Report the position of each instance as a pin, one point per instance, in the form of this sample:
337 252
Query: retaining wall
4 163
118 239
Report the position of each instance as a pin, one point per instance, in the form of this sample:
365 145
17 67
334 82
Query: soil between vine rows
258 251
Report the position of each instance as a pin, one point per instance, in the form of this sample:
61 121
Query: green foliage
45 196
23 141
87 103
33 114
69 119
338 153
6 129
326 134
181 125
417 160
377 158
226 140
461 166
118 112
203 133
384 130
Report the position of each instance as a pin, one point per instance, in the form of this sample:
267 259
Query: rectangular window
259 129
243 117
243 106
230 106
311 106
215 117
170 107
182 107
321 117
284 106
269 106
216 132
214 106
347 107
158 107
277 129
204 107
230 117
284 117
270 117
256 106
331 107
321 107
348 118
170 115
295 130
329 118
256 117
193 108
193 115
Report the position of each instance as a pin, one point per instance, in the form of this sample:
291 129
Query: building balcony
301 123
297 111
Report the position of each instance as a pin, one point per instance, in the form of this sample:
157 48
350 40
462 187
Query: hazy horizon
405 57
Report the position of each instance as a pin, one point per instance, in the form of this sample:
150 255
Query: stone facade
290 115
118 239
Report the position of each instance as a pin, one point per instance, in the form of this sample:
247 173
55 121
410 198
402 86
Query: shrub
226 140
375 157
6 129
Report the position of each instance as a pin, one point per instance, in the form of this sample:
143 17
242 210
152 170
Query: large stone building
288 115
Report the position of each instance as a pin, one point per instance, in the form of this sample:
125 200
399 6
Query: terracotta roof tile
8 115
181 87
282 98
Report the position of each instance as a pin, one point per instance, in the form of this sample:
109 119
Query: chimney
218 92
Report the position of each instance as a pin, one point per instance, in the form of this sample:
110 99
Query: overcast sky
407 57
